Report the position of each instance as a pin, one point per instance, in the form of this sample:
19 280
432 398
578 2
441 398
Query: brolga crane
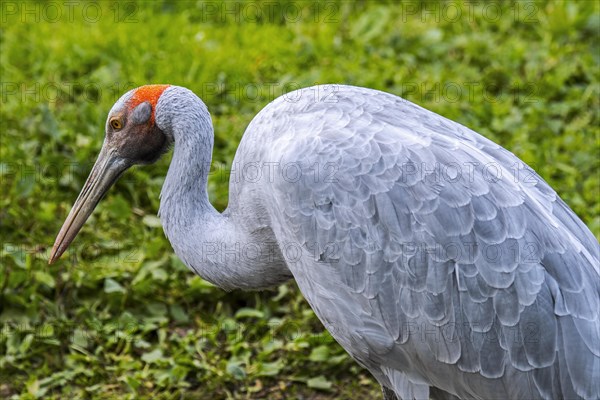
440 261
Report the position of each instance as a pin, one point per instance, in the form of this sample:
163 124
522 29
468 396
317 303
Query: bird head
132 137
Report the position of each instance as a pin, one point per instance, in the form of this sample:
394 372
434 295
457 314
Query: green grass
120 316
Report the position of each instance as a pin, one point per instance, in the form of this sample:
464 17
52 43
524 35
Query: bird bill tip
54 255
59 247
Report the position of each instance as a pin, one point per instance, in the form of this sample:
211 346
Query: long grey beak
106 171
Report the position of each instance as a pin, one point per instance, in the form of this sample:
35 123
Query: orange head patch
149 93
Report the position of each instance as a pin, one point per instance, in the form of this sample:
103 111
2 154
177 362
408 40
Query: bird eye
116 123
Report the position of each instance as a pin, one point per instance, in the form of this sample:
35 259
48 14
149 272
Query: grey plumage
436 229
435 257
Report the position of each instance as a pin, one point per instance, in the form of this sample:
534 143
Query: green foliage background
120 316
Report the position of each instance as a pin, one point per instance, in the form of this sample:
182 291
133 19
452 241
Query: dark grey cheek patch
141 114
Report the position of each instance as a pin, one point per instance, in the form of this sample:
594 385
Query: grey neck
185 119
208 242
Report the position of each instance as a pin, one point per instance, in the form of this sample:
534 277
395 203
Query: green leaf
271 368
25 344
112 286
156 309
45 278
249 313
34 389
320 353
178 313
152 221
319 383
153 356
80 338
118 207
235 369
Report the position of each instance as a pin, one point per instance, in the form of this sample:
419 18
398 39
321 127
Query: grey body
435 257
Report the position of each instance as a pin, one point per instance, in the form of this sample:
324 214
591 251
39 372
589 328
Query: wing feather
433 226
